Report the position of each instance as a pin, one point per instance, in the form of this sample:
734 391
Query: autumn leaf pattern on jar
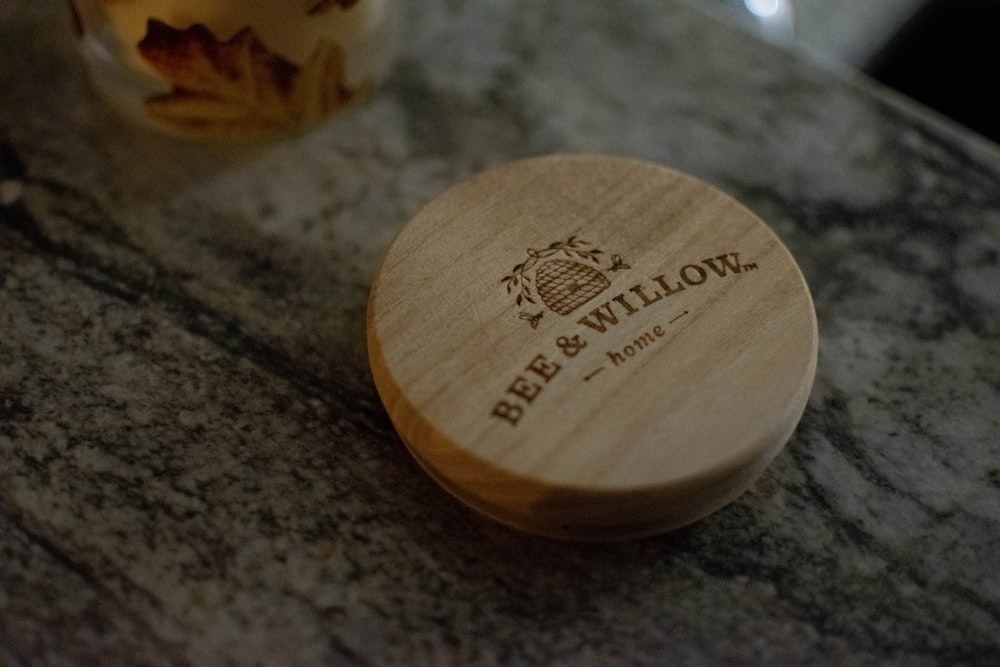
231 70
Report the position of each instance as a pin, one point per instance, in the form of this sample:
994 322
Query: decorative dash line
678 317
589 376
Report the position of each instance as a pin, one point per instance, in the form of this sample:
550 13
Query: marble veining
194 465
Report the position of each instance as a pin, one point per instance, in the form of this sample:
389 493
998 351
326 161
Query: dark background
947 57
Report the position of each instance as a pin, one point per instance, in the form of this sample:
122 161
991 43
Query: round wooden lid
591 347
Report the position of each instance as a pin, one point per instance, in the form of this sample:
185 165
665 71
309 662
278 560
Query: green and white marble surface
195 468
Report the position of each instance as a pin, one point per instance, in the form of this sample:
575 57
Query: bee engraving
617 264
532 319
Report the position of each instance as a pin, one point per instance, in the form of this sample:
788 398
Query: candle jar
234 70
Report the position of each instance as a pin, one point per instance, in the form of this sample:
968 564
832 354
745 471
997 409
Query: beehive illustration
560 276
565 285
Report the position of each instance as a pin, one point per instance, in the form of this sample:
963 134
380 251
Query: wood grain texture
591 347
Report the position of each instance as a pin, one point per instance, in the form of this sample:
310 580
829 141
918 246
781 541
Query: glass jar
235 70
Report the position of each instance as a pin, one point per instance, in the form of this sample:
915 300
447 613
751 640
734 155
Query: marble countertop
195 467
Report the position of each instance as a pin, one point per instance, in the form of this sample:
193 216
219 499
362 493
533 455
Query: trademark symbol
752 266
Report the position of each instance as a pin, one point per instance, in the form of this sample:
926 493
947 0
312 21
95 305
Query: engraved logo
602 338
563 276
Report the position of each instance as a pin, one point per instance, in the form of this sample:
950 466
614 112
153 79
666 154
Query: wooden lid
591 347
